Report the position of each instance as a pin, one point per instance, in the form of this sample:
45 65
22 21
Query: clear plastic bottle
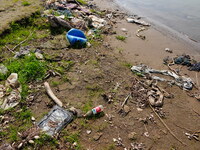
94 111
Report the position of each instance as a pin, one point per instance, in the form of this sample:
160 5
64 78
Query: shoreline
163 28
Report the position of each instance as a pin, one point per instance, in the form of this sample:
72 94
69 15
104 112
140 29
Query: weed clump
120 37
28 68
26 3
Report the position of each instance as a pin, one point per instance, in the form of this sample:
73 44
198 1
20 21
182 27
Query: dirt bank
13 10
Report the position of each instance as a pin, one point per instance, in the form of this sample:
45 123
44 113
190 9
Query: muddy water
179 15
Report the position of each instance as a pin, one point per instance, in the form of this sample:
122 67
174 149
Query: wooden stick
21 42
126 99
51 94
170 131
9 49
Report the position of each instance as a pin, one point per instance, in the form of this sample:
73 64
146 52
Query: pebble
31 141
32 118
124 29
126 109
88 131
132 136
36 137
39 56
97 136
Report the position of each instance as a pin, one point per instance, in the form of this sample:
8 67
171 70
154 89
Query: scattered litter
51 94
97 22
76 38
57 119
155 97
183 60
137 21
118 142
6 146
107 98
94 111
195 67
181 81
13 97
22 52
137 146
192 136
168 50
139 35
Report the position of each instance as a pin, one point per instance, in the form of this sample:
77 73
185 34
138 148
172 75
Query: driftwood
51 94
56 22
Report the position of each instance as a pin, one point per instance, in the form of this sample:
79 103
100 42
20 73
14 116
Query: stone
88 131
12 80
132 136
3 69
31 141
39 56
126 109
36 137
32 118
97 136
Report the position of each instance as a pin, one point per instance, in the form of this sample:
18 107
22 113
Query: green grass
28 68
94 90
120 37
45 140
26 3
55 83
82 2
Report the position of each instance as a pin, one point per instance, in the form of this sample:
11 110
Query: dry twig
170 131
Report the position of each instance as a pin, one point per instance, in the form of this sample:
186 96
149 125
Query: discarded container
94 111
57 119
76 37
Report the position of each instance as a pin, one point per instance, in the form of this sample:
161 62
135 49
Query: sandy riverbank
151 52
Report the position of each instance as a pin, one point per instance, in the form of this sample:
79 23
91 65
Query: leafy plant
26 3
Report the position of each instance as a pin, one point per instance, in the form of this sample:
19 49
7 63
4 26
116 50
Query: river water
179 15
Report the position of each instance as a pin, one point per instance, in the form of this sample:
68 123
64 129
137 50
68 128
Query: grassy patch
87 106
94 90
82 2
55 83
45 140
26 3
28 69
120 37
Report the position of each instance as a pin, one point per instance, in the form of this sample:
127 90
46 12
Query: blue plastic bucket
76 37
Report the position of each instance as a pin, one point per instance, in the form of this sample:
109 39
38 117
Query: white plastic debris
97 22
136 21
181 81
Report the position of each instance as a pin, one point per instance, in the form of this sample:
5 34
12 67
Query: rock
36 137
97 136
88 131
76 112
6 146
39 56
3 69
126 109
12 80
124 30
32 118
132 136
31 141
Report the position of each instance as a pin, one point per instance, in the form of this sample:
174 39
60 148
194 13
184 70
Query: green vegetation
26 3
72 138
120 37
87 106
83 2
94 90
55 83
45 140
